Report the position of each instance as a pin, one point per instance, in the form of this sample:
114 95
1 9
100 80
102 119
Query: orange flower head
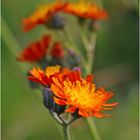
57 50
81 94
35 51
85 9
42 15
45 77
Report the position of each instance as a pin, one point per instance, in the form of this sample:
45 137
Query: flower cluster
47 14
50 15
68 88
64 89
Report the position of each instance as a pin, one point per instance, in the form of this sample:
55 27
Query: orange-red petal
57 50
83 113
85 10
59 101
111 104
35 51
71 109
89 78
57 91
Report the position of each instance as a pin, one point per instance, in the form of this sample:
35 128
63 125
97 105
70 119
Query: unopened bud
49 102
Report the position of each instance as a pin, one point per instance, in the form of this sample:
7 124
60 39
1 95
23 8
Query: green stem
93 128
66 32
90 48
71 121
66 132
91 52
56 117
91 55
73 44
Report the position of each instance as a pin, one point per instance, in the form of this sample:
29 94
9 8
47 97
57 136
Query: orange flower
85 9
45 77
57 50
42 15
81 94
35 51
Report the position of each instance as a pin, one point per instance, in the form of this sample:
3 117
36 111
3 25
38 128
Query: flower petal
71 109
89 78
111 104
57 91
83 113
101 115
59 101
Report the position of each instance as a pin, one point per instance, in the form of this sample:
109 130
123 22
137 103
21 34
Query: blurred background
115 67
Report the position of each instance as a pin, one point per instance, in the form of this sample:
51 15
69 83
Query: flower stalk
91 51
57 118
65 124
91 54
66 132
90 45
93 128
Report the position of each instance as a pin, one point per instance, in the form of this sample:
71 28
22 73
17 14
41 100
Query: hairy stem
90 45
73 44
91 52
66 132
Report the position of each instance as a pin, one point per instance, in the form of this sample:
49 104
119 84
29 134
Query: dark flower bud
73 59
48 98
56 22
49 102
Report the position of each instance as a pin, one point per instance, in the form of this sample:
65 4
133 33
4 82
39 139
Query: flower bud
56 22
49 102
73 59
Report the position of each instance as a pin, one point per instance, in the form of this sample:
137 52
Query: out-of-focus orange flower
81 94
35 51
39 76
57 50
45 77
85 9
42 15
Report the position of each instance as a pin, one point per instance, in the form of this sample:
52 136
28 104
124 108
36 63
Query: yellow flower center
80 94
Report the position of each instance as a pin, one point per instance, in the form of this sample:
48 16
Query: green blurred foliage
23 115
